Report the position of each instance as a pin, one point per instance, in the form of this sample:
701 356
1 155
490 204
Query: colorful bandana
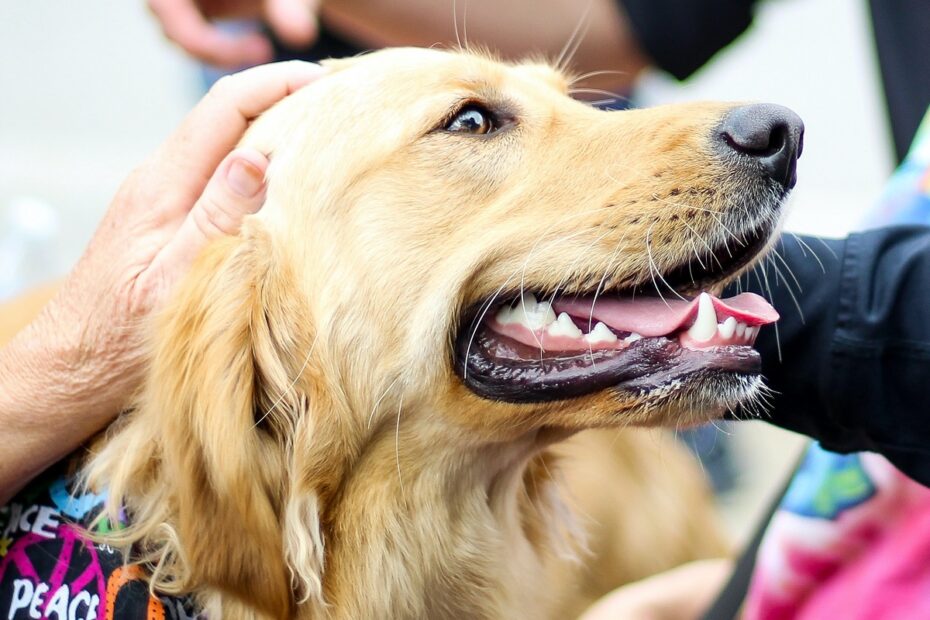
48 569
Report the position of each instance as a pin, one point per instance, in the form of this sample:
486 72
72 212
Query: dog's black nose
772 135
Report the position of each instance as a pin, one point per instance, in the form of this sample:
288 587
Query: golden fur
302 446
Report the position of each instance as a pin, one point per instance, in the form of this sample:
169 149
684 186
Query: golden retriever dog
363 405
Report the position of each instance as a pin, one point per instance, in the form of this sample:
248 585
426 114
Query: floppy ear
202 465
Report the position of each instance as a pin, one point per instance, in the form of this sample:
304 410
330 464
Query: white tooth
527 302
705 325
532 315
538 316
751 332
600 333
505 316
727 328
633 337
740 330
544 309
564 326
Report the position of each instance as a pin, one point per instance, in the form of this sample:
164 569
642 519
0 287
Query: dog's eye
472 119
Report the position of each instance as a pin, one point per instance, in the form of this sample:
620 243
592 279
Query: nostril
763 142
766 138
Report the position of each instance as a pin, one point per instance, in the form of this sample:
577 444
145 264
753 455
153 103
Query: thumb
235 190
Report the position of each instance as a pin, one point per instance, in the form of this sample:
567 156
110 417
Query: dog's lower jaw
478 531
701 399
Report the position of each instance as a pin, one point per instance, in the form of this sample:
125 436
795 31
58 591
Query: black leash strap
728 603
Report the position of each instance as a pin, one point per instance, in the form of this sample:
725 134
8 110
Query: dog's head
454 245
466 232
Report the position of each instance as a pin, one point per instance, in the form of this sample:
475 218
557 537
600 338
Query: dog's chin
702 397
666 354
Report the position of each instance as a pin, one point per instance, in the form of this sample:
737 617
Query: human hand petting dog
186 22
68 373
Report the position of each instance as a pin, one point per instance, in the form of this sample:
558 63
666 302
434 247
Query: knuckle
211 218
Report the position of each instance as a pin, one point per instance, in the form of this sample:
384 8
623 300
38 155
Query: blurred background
88 89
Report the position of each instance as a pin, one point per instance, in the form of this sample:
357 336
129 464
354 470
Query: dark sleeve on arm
855 373
681 36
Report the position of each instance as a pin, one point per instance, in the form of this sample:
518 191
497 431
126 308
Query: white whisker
290 387
574 40
804 246
591 74
779 274
400 477
612 96
653 264
455 25
380 398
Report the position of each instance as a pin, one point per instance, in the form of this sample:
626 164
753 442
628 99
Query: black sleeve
681 36
854 349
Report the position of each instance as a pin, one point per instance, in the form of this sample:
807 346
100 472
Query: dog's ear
223 402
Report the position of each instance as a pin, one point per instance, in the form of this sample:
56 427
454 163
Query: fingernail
245 178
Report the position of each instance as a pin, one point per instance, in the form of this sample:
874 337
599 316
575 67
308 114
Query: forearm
54 395
516 29
855 362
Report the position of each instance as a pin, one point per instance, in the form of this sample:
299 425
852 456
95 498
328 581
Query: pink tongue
649 316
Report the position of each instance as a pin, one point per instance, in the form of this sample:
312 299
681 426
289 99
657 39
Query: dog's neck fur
489 507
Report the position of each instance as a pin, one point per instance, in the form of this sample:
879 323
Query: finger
294 21
217 123
236 190
184 24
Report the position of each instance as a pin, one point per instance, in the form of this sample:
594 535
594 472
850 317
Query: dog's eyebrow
477 82
480 86
480 90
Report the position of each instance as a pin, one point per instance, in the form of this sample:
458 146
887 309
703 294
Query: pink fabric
872 561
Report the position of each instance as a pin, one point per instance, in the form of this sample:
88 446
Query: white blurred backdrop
87 90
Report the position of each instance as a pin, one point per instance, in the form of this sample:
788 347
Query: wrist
58 370
54 395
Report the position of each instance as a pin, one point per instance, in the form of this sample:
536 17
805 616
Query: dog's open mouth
533 348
